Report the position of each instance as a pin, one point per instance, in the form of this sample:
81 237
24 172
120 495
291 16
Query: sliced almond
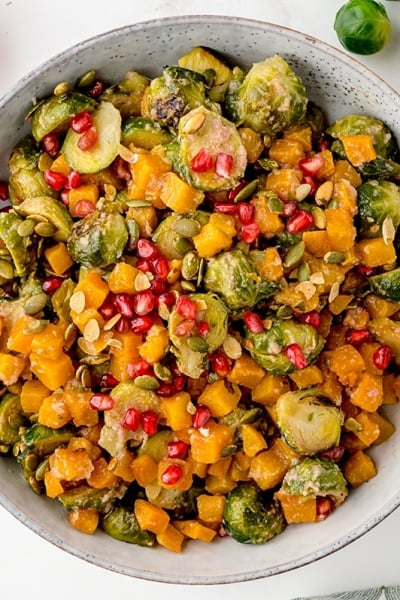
91 331
77 301
194 122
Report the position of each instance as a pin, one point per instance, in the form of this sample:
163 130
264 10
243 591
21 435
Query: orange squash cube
53 373
151 517
122 278
33 392
195 530
175 410
359 148
368 393
124 353
171 538
359 468
85 520
298 509
77 400
18 339
53 411
94 288
58 258
70 465
210 508
102 476
220 398
246 372
207 444
376 252
50 341
253 440
144 469
11 368
178 195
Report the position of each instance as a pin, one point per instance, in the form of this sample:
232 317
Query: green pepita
139 203
294 254
186 227
188 286
41 469
35 303
247 191
61 88
334 257
87 79
146 382
35 326
275 204
45 229
182 246
6 269
197 344
162 372
26 227
303 272
190 265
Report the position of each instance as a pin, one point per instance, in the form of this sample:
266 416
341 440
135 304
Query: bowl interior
340 86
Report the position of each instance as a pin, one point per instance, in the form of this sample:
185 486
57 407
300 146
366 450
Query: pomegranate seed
201 416
101 401
289 208
123 325
143 265
167 298
144 302
121 169
96 89
146 249
64 196
186 307
124 304
325 506
223 164
57 181
131 419
74 180
203 329
311 182
138 367
295 354
220 363
311 166
158 286
179 383
323 143
172 474
3 190
108 308
226 208
165 389
246 212
142 324
299 221
356 336
234 191
253 322
87 139
82 121
202 161
312 318
149 421
250 232
160 267
51 284
177 449
335 454
83 208
382 357
51 144
185 328
107 380
367 271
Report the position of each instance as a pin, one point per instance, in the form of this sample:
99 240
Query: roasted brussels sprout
122 525
26 180
271 98
387 332
386 285
377 200
11 419
363 26
173 234
213 67
43 440
179 504
248 519
174 93
380 168
156 446
16 245
85 496
308 422
52 210
383 139
127 95
234 277
144 133
313 476
268 347
98 239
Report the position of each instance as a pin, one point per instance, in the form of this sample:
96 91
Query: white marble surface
31 31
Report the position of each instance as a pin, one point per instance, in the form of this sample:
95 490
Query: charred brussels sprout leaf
380 168
386 285
363 26
11 419
99 239
376 201
267 348
308 422
383 139
233 276
144 133
247 519
316 477
43 440
122 525
127 95
271 98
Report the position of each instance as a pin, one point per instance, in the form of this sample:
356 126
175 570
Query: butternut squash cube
269 389
195 530
178 195
359 148
253 440
298 509
207 444
246 372
85 520
94 288
171 538
124 353
175 410
151 517
210 508
58 258
53 411
33 392
18 339
376 252
268 468
368 393
220 397
11 367
144 469
122 278
53 373
346 362
340 229
359 468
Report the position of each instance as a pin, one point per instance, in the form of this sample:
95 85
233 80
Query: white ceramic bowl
340 85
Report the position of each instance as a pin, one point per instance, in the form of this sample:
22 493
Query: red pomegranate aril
144 265
146 249
64 196
201 416
186 307
51 284
108 381
299 221
179 383
202 161
295 354
253 322
51 144
57 181
88 139
311 182
325 506
158 286
177 449
74 180
234 191
223 164
172 474
123 302
83 208
160 267
226 208
108 308
364 270
312 318
82 121
96 89
165 389
356 336
312 165
149 421
138 367
144 302
382 357
335 454
203 329
131 419
250 232
220 363
142 324
289 208
185 328
246 212
101 401
167 298
123 325
4 190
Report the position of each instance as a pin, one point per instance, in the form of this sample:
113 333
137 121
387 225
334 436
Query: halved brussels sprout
43 440
173 234
268 347
383 139
387 331
314 476
386 285
85 496
144 133
380 168
11 419
308 422
122 525
271 98
213 67
248 519
376 201
52 210
16 245
107 121
233 276
127 94
99 239
156 446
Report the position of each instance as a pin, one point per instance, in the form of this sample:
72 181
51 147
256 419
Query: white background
31 31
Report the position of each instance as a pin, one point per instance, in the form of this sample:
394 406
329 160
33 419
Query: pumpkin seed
246 191
275 204
153 490
352 424
35 484
77 301
162 372
319 217
334 257
41 469
284 312
197 344
95 359
38 218
194 123
188 286
138 203
30 462
61 88
302 191
45 229
45 161
146 382
229 450
6 269
182 246
35 303
303 272
35 326
142 282
91 331
388 230
190 265
87 78
294 254
324 192
26 228
70 335
83 376
268 164
232 347
186 227
200 274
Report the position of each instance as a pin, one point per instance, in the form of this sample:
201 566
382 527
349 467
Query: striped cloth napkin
379 593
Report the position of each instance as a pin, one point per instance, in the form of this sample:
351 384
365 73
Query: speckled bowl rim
188 579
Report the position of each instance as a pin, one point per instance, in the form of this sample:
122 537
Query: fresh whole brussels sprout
268 347
377 200
314 476
247 519
382 138
363 26
271 98
309 423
